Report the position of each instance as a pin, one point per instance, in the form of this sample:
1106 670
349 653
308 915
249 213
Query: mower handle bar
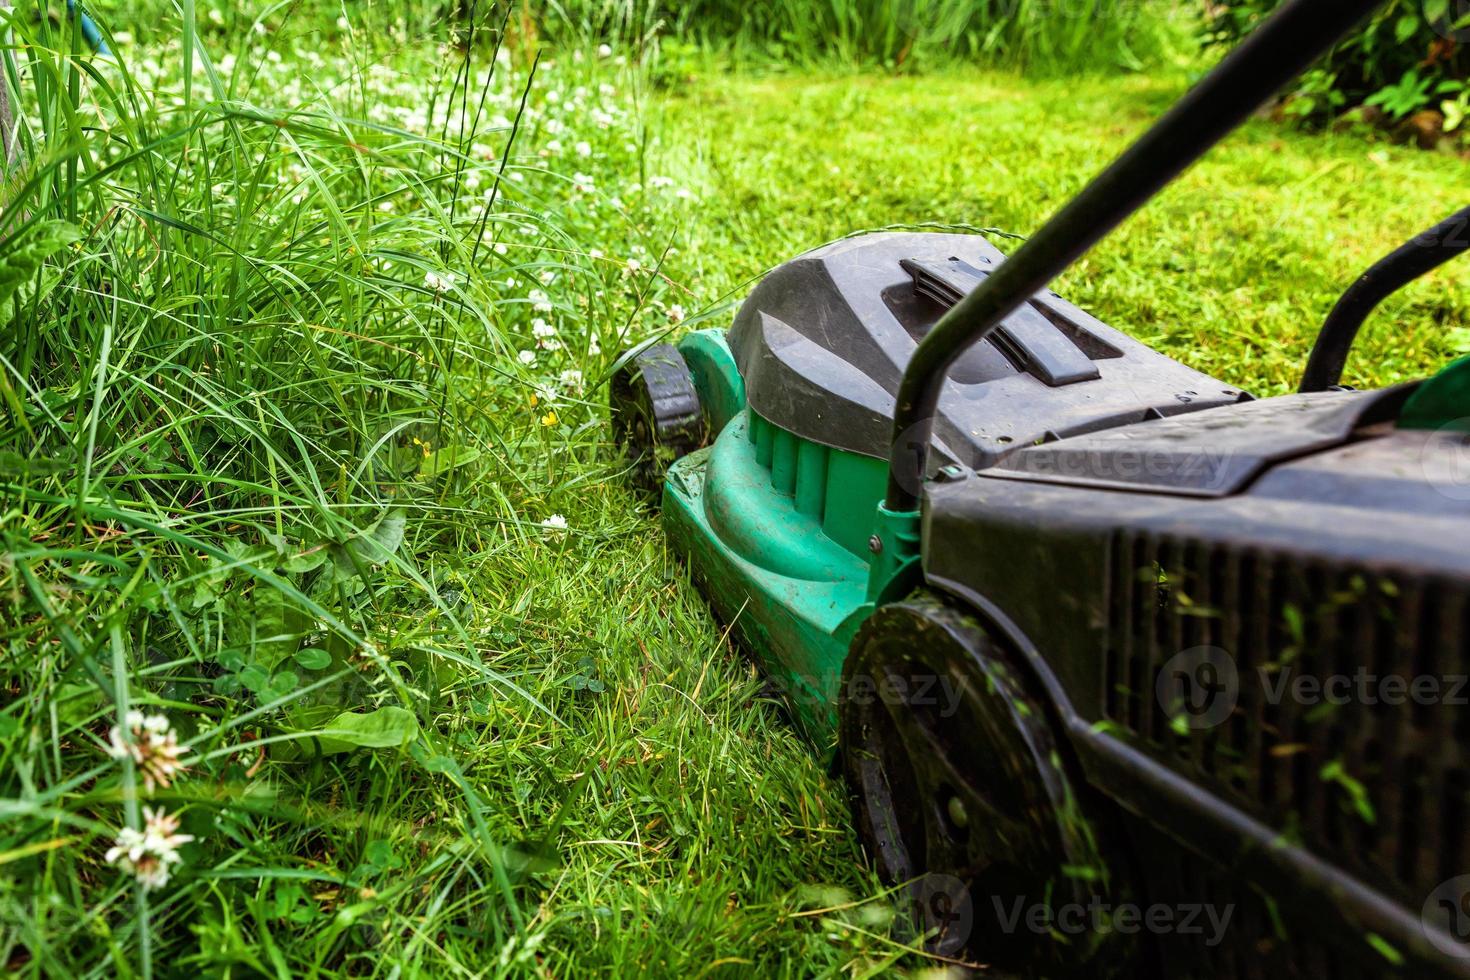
1291 40
1426 252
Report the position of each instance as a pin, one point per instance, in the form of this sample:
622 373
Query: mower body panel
1237 669
774 532
823 341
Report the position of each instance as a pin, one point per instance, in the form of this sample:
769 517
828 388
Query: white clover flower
150 741
604 51
554 126
553 96
439 281
684 194
149 854
632 266
549 343
606 90
555 523
516 176
593 347
582 183
501 248
527 357
129 846
658 180
472 179
553 147
601 118
540 328
540 302
385 206
676 313
571 380
583 148
594 253
547 277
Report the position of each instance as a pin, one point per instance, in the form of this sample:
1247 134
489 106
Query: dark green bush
1411 56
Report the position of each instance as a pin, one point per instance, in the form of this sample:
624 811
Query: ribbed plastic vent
1383 789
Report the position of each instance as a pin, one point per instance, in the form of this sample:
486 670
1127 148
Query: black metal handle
1425 253
1281 48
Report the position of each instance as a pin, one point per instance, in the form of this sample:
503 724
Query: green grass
1035 35
269 453
1232 269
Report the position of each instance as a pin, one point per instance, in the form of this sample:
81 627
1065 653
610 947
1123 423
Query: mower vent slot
1327 739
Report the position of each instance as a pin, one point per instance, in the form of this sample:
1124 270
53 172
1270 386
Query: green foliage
1407 56
1035 35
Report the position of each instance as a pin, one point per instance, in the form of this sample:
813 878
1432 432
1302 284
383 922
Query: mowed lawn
1232 269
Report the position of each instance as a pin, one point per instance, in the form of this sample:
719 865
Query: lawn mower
1129 673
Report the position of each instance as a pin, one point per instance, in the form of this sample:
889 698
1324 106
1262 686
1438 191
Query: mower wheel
656 414
961 794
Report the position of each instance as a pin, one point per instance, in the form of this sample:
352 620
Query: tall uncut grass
1044 36
286 378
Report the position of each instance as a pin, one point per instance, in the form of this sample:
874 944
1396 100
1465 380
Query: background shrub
1411 56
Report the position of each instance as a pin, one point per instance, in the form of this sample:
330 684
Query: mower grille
1376 784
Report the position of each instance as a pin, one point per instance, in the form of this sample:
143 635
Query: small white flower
553 96
553 147
583 148
540 328
604 51
150 741
501 248
571 380
676 313
385 206
439 281
582 183
128 846
632 266
684 194
593 347
527 357
516 176
149 854
594 253
547 277
555 523
606 91
657 180
540 302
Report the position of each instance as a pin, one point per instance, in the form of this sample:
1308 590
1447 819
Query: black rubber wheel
656 414
961 793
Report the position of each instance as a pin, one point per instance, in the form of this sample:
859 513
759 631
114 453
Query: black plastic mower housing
823 341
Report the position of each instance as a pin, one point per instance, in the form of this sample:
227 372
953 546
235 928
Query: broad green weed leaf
21 257
385 728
